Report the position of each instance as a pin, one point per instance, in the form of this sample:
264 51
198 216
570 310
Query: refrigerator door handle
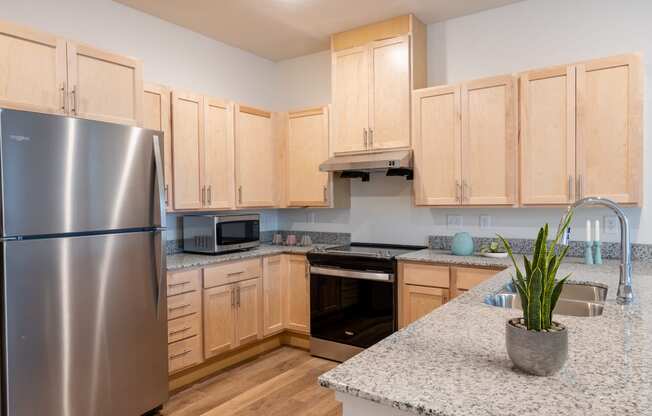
160 178
160 272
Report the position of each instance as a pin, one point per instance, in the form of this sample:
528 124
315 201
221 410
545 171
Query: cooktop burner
385 251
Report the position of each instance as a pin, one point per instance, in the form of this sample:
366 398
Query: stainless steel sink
575 299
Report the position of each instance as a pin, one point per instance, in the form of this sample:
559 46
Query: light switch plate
454 221
485 221
611 225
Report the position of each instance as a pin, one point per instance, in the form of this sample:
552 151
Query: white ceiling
282 29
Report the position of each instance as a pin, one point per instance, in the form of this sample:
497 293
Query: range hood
393 162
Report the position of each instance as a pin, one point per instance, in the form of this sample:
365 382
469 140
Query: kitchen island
453 361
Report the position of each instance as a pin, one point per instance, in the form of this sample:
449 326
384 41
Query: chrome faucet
625 293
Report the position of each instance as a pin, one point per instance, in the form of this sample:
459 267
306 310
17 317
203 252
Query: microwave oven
215 234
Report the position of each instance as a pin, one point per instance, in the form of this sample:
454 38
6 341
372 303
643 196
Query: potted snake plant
535 343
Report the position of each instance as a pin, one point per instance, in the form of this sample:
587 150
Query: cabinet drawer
183 282
467 277
184 327
426 275
232 272
184 354
184 304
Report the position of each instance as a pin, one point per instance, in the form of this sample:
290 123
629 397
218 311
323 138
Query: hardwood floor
282 382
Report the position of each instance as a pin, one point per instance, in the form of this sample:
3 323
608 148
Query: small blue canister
462 244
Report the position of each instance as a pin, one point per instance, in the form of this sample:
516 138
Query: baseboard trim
208 368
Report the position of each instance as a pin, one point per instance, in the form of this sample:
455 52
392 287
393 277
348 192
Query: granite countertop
453 361
188 260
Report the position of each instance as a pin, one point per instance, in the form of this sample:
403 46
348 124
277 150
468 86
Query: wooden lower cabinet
219 320
249 311
421 300
298 291
184 319
465 278
273 295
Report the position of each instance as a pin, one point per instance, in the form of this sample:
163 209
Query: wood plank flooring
282 382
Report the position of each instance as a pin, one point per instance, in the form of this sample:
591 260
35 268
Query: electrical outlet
611 225
485 221
453 221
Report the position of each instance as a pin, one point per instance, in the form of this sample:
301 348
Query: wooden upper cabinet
257 155
374 69
218 155
156 116
104 86
350 99
32 70
609 129
298 294
389 121
489 141
547 121
307 148
437 146
187 139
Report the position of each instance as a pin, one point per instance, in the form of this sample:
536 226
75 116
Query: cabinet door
350 99
249 321
219 320
418 301
307 148
609 129
256 158
273 295
156 116
389 119
104 86
298 301
548 136
218 160
437 146
32 70
465 278
489 139
187 138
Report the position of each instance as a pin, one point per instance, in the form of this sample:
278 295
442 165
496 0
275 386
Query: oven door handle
353 274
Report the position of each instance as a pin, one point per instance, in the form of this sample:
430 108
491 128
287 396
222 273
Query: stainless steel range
353 297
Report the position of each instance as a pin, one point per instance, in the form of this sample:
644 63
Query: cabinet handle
203 195
238 297
233 297
167 199
364 134
325 194
458 191
570 188
63 97
240 194
181 354
179 331
210 194
172 285
175 308
580 186
235 273
371 138
73 94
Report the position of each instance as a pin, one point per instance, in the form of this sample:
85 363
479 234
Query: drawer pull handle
175 308
171 285
179 331
181 354
235 273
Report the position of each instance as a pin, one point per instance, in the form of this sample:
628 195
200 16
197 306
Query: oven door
351 307
236 233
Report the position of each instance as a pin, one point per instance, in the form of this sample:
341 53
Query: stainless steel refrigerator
84 326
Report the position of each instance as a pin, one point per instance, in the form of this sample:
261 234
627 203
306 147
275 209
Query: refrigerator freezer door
83 332
67 175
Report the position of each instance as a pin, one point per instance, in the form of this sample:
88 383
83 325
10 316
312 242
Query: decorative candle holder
597 252
588 252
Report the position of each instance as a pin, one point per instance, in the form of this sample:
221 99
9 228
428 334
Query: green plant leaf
534 301
555 295
508 247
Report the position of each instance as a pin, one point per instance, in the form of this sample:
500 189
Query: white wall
172 55
305 81
529 34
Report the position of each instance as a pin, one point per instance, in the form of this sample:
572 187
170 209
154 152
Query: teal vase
462 244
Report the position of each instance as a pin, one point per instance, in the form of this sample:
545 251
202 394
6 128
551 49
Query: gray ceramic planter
538 353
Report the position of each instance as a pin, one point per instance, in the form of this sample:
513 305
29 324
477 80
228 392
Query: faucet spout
625 293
